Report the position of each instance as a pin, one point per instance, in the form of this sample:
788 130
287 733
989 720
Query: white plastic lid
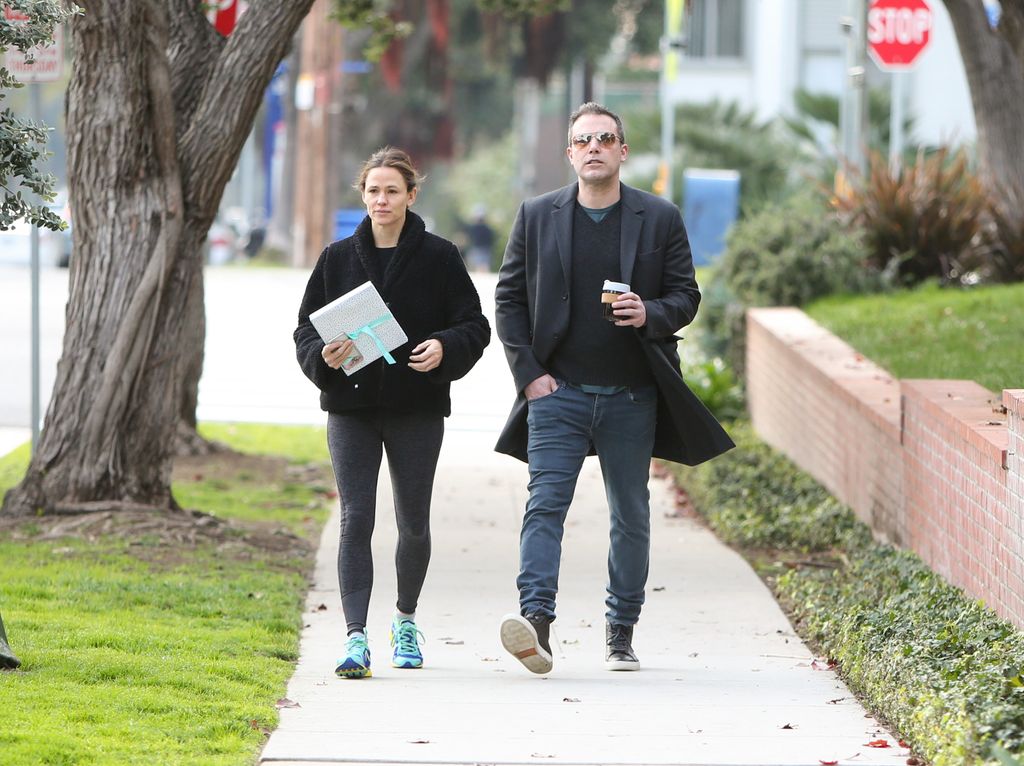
615 287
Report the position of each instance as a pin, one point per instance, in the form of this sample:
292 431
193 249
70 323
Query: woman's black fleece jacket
428 291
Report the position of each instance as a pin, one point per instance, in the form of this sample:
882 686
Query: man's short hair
592 107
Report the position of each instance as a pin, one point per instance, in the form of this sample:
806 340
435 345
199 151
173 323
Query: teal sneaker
405 640
356 662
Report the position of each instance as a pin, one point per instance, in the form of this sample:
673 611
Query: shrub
942 668
756 497
1007 233
926 220
723 323
790 254
716 386
786 255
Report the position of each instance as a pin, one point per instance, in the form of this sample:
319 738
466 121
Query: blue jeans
562 427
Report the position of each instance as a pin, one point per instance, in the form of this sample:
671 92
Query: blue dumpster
711 202
345 221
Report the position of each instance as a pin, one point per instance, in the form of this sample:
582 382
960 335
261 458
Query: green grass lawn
932 332
143 649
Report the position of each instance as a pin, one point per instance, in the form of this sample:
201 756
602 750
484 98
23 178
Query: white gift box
361 316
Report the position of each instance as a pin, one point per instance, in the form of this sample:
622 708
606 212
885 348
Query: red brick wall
1014 403
955 481
815 398
933 466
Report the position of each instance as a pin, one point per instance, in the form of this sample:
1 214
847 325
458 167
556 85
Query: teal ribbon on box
367 329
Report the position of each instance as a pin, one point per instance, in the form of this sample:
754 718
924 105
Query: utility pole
853 111
899 86
672 44
316 98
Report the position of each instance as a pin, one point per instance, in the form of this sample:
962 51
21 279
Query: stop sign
898 30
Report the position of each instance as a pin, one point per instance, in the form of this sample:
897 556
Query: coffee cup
609 294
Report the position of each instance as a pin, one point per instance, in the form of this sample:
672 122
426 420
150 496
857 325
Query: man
587 385
481 241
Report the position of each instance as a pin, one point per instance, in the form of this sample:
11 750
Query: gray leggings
356 441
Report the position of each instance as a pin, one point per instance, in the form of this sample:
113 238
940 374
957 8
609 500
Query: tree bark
994 62
7 659
158 111
187 438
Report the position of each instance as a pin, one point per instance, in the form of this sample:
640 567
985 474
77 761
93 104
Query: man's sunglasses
582 140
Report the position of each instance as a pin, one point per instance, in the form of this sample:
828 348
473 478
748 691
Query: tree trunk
158 108
187 438
7 659
994 62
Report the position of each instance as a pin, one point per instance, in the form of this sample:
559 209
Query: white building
759 52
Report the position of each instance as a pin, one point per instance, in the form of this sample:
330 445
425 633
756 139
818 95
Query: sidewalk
724 678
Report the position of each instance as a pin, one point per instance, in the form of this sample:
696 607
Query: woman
395 407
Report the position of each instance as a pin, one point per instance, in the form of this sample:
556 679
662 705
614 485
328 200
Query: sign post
671 49
47 65
898 33
852 110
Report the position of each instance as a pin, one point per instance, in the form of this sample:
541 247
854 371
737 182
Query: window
716 29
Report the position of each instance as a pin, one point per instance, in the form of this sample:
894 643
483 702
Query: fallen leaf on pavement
877 743
419 741
285 702
828 763
789 726
570 699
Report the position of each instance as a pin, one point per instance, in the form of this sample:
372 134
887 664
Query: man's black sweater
595 351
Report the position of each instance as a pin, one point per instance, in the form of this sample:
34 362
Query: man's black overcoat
532 311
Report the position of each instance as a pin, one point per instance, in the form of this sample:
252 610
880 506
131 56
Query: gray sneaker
526 639
619 647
